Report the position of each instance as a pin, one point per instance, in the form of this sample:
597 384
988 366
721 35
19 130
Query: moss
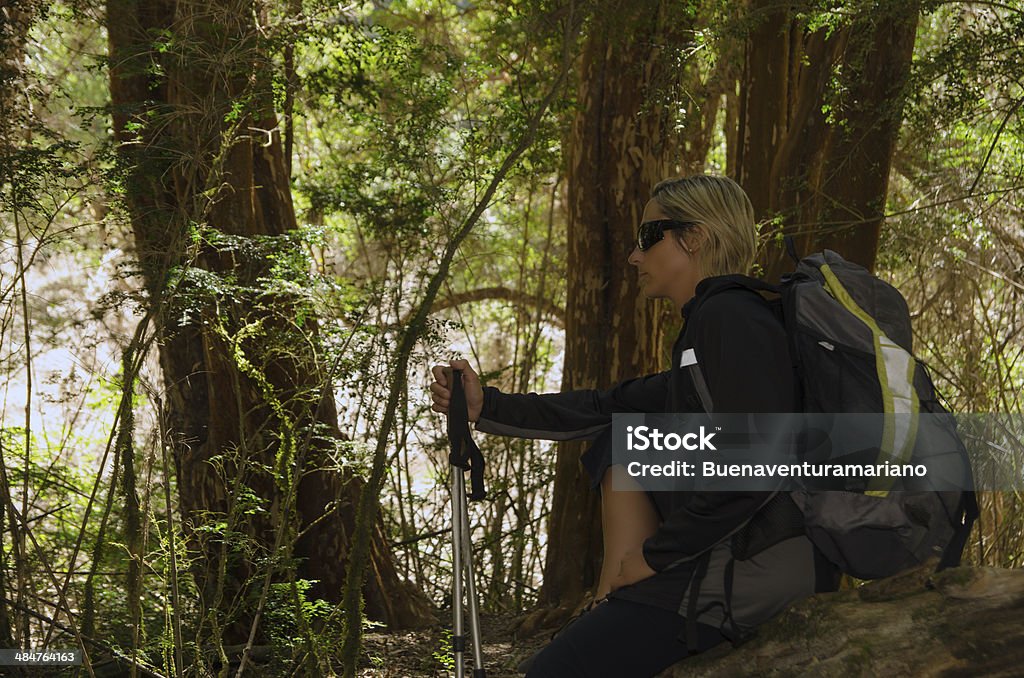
857 656
927 613
809 618
955 577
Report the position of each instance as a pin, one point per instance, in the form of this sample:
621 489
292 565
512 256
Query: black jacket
741 349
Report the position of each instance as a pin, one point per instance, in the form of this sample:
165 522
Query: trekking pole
464 456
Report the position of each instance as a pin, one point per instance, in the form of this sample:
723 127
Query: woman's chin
650 293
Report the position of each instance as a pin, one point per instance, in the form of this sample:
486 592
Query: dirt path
428 653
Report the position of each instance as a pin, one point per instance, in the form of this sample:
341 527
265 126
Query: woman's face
666 269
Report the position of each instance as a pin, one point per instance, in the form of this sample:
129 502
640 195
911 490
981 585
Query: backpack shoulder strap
708 289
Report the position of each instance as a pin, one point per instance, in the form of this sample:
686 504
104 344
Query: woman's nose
635 256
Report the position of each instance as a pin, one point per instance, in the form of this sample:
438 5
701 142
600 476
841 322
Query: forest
237 234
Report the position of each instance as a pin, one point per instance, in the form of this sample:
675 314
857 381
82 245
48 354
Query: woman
679 573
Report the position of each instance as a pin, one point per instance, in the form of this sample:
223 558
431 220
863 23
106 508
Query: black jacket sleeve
572 414
742 350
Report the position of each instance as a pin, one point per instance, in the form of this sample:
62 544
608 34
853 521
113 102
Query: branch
368 501
516 297
992 147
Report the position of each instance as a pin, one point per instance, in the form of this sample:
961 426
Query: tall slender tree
15 21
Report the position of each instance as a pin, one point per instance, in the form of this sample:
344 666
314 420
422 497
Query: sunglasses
651 233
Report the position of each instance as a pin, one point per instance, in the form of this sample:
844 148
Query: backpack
851 344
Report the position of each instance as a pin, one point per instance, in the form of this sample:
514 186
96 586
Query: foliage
954 243
401 115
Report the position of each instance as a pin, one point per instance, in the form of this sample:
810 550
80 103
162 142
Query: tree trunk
621 145
15 21
818 117
855 180
959 622
198 134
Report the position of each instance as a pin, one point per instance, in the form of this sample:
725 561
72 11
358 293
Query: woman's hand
632 569
441 395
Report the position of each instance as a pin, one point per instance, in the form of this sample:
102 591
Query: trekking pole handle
464 453
458 417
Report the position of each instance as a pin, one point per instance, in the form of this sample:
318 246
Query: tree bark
621 145
855 180
959 622
819 114
198 135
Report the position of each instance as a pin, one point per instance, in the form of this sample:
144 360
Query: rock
960 622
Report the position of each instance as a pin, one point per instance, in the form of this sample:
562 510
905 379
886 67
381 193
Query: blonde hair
724 215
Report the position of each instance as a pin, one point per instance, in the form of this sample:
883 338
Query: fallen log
960 622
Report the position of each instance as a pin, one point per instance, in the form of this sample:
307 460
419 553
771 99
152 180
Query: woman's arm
572 414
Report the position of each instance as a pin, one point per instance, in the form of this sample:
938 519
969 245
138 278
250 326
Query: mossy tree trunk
248 399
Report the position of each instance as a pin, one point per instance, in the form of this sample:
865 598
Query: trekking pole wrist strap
464 452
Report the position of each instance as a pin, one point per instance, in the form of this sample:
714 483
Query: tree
621 144
820 105
15 20
249 406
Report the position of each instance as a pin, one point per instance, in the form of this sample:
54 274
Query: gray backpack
850 340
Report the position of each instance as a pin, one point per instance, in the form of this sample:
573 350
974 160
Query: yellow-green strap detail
895 368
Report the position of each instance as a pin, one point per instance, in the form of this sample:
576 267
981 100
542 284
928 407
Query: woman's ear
693 239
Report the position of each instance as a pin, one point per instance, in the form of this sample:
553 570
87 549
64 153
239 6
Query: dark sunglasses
651 233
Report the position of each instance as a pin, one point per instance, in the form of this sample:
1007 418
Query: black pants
620 639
